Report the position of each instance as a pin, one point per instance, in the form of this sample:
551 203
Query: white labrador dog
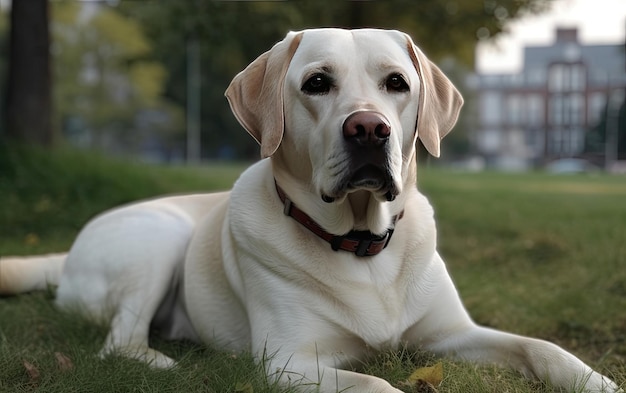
298 260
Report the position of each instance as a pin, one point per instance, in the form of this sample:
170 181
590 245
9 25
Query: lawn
533 254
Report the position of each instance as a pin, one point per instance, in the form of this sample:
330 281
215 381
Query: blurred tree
28 98
4 30
233 33
107 87
595 139
448 28
229 38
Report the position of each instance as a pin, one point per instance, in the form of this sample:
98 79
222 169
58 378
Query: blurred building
543 112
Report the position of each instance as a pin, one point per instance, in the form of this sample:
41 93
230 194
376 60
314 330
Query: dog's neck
359 202
360 242
359 211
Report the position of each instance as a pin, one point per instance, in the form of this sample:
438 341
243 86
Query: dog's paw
598 383
151 357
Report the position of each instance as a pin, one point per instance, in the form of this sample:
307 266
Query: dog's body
234 270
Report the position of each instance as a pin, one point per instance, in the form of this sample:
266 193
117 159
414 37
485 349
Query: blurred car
571 165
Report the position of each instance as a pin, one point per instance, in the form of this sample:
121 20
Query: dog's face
341 110
351 103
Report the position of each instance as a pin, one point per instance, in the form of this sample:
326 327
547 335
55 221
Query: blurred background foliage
104 77
121 69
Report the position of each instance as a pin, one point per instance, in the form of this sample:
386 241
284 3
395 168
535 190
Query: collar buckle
363 246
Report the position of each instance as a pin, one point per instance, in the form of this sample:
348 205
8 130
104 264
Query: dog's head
341 110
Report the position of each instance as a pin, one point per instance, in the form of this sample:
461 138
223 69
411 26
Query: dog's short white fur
230 269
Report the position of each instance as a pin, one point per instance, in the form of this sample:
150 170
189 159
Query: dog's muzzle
366 135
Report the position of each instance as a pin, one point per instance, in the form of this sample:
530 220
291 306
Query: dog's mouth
369 177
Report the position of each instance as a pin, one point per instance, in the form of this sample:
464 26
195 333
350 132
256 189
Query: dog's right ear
255 94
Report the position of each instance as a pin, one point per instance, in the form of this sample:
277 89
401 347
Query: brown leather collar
361 243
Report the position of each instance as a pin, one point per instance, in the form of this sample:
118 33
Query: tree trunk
28 100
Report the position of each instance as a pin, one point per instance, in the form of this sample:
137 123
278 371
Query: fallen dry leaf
64 362
32 371
433 375
425 379
31 239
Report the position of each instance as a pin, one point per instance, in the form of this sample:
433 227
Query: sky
598 22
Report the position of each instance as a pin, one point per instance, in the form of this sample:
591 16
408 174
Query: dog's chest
379 320
378 316
372 300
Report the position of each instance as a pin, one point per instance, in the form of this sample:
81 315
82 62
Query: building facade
544 112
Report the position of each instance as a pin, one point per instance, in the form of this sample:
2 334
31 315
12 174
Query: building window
556 110
556 78
555 138
491 108
576 141
534 139
490 141
514 110
566 142
576 109
534 105
578 77
567 110
595 108
567 77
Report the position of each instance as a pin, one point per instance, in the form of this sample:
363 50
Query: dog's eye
317 84
395 82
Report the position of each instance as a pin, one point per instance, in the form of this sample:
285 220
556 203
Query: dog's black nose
366 128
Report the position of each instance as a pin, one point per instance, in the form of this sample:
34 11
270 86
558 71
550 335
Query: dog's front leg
312 367
532 357
313 376
445 328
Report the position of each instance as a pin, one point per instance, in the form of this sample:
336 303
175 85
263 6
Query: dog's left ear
255 94
439 102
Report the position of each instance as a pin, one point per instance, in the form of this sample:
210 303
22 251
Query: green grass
533 254
538 254
46 197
